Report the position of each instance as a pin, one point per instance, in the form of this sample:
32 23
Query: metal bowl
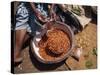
37 38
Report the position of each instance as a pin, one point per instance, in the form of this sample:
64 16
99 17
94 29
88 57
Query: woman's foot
17 60
17 57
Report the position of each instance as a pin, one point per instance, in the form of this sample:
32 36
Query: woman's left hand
53 15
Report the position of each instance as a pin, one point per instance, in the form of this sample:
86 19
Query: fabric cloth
23 15
82 13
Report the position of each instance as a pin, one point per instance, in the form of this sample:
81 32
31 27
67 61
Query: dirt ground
86 40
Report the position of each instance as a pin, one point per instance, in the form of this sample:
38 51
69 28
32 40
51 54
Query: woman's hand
53 15
40 16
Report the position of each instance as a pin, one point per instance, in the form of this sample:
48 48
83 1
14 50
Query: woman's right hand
40 16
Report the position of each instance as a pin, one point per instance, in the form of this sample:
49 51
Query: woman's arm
34 8
37 13
52 12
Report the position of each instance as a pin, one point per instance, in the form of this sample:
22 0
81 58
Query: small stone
20 67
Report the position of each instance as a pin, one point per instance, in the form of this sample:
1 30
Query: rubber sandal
18 60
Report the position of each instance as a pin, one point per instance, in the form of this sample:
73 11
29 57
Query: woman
27 16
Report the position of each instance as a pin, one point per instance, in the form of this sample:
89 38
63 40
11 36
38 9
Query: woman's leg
19 40
22 18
